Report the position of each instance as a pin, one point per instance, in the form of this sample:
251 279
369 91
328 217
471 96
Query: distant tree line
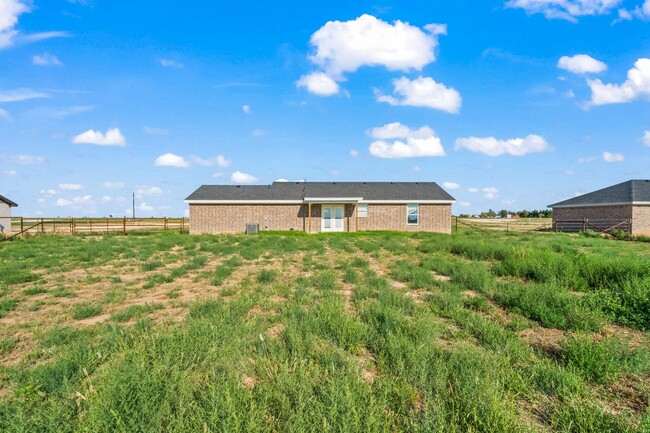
545 213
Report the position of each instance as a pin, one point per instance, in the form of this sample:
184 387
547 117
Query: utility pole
133 211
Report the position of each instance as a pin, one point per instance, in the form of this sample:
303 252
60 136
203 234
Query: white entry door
332 219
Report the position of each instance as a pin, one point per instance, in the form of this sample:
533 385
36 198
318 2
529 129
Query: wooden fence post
91 225
22 224
54 226
183 225
165 224
124 225
106 225
42 226
456 224
74 231
584 225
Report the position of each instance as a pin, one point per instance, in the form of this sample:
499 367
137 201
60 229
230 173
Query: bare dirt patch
249 382
548 339
274 331
440 277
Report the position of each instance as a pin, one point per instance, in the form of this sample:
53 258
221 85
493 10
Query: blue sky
509 104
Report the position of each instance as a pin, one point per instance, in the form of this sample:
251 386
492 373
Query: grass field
375 332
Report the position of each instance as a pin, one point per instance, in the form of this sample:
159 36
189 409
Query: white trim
629 203
327 200
244 202
359 208
408 201
333 199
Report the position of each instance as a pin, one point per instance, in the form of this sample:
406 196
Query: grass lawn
390 332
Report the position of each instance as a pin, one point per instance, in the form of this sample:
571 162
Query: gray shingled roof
626 192
281 191
9 202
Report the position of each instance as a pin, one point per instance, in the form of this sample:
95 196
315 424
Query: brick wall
641 220
433 218
228 218
5 216
593 213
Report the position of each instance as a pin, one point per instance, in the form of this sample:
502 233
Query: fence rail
26 225
597 225
506 225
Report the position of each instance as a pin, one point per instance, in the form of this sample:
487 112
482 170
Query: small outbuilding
625 206
321 207
5 214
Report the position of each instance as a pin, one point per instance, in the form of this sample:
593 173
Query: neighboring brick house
5 214
316 207
626 206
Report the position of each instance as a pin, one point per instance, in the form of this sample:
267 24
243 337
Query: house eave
628 203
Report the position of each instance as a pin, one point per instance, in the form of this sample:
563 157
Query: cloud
450 185
490 192
113 137
46 60
10 10
10 173
246 108
586 159
464 203
581 64
218 160
22 94
37 37
62 202
168 63
156 131
113 185
319 83
367 41
239 177
636 86
144 207
71 186
354 153
27 159
395 140
613 157
424 92
565 9
106 199
472 190
142 190
60 113
171 160
4 114
493 147
641 12
646 138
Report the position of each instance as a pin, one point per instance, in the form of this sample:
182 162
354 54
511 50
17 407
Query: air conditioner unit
252 229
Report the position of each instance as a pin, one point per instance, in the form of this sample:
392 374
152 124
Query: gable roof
300 192
7 201
626 193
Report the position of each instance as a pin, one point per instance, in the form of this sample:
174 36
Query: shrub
84 310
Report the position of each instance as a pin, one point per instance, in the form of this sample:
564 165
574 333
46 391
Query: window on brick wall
412 214
362 210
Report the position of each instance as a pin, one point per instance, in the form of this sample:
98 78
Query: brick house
5 214
624 206
316 207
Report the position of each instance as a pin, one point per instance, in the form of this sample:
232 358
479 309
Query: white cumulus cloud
240 177
581 64
450 185
168 63
113 185
423 92
472 190
319 83
354 153
112 137
565 9
62 202
395 140
494 147
10 173
218 160
636 86
71 186
246 109
26 159
490 192
10 10
143 190
46 60
646 138
613 157
367 41
171 160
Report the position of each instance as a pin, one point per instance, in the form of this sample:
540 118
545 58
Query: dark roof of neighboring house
281 191
9 202
632 191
